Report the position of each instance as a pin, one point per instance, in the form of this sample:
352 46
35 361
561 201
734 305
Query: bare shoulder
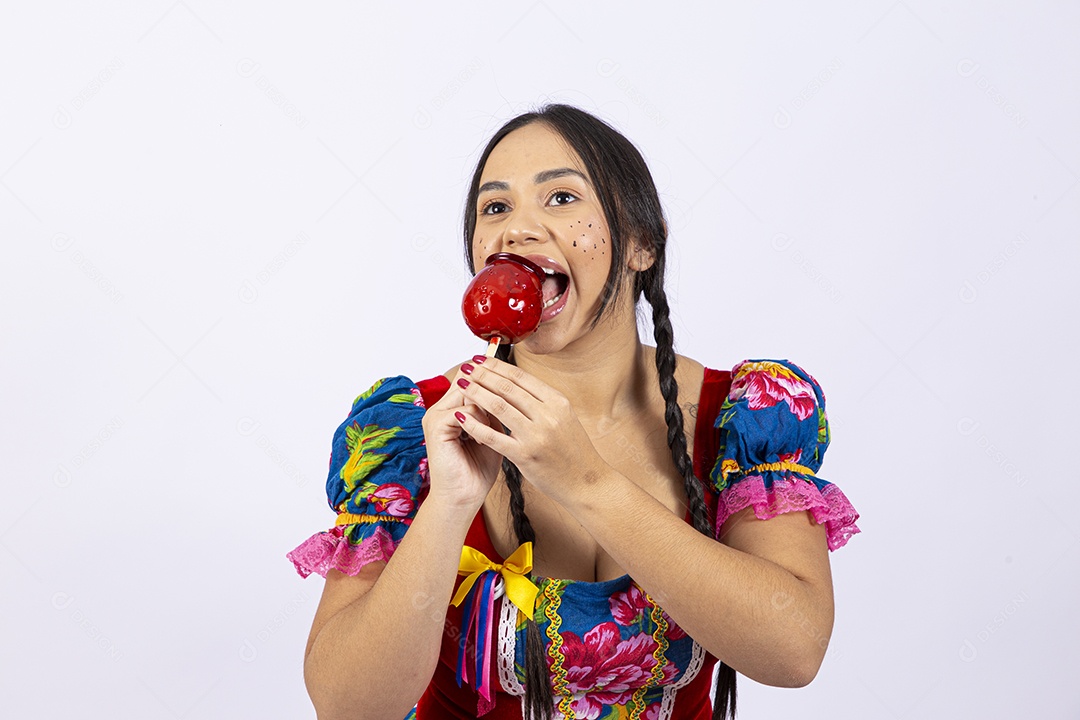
688 366
690 374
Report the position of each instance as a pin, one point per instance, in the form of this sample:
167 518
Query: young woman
585 525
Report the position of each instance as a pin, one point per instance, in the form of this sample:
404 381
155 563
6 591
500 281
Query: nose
523 228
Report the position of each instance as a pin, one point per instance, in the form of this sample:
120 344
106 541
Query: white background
220 224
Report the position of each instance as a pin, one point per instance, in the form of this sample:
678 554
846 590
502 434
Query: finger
499 404
503 387
531 384
481 415
483 434
453 396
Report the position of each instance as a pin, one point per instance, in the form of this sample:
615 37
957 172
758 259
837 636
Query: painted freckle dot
575 243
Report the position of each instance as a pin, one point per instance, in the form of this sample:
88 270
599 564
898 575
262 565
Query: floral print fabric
773 436
611 651
378 477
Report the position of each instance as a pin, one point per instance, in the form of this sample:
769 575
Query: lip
550 264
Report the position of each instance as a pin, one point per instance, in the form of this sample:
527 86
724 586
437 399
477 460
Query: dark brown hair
631 206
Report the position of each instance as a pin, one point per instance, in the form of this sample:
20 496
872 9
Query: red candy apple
505 298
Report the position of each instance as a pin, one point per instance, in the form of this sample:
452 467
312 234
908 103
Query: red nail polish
463 383
460 417
467 369
479 359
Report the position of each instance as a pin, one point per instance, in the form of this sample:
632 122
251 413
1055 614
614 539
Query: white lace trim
697 659
507 649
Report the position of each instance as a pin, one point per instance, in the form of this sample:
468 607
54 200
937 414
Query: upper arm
340 591
794 541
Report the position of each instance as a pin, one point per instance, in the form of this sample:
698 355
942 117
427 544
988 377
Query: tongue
551 287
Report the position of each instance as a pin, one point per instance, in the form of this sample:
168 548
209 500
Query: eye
493 207
562 197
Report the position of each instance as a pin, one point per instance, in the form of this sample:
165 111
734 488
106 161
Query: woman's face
536 199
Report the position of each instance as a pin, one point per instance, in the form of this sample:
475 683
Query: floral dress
612 652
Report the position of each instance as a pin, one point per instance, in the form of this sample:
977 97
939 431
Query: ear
641 258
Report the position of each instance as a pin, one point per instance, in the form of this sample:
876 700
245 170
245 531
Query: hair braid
669 388
652 285
538 694
631 206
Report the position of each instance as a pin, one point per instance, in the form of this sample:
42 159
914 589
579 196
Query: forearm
754 614
375 657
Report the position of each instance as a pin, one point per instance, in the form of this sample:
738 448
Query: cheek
480 251
590 239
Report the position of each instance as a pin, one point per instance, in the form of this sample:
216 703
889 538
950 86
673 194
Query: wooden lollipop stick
493 345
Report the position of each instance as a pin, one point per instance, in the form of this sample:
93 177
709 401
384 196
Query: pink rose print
603 669
627 608
652 712
793 457
392 499
418 401
425 477
766 384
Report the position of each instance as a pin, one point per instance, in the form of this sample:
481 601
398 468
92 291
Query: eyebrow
541 177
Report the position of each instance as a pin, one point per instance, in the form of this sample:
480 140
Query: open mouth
555 284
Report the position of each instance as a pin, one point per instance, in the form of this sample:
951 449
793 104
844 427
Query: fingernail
467 369
463 383
479 359
460 417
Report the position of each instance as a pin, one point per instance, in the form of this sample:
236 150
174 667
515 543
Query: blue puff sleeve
378 477
773 433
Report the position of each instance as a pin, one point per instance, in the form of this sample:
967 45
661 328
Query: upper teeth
551 273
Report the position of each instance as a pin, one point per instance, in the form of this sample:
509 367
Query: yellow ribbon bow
520 590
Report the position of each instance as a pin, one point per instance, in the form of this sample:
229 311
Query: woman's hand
462 471
547 441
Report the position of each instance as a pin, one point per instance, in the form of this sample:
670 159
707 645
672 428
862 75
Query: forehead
527 151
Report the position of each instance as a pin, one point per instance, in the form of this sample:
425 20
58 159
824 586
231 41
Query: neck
605 374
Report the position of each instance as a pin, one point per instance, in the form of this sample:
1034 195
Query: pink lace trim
830 507
331 550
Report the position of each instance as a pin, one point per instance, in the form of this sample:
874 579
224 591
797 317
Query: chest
611 651
636 446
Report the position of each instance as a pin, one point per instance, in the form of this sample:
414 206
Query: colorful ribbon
478 615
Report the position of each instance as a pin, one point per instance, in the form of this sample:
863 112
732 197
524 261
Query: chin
540 343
